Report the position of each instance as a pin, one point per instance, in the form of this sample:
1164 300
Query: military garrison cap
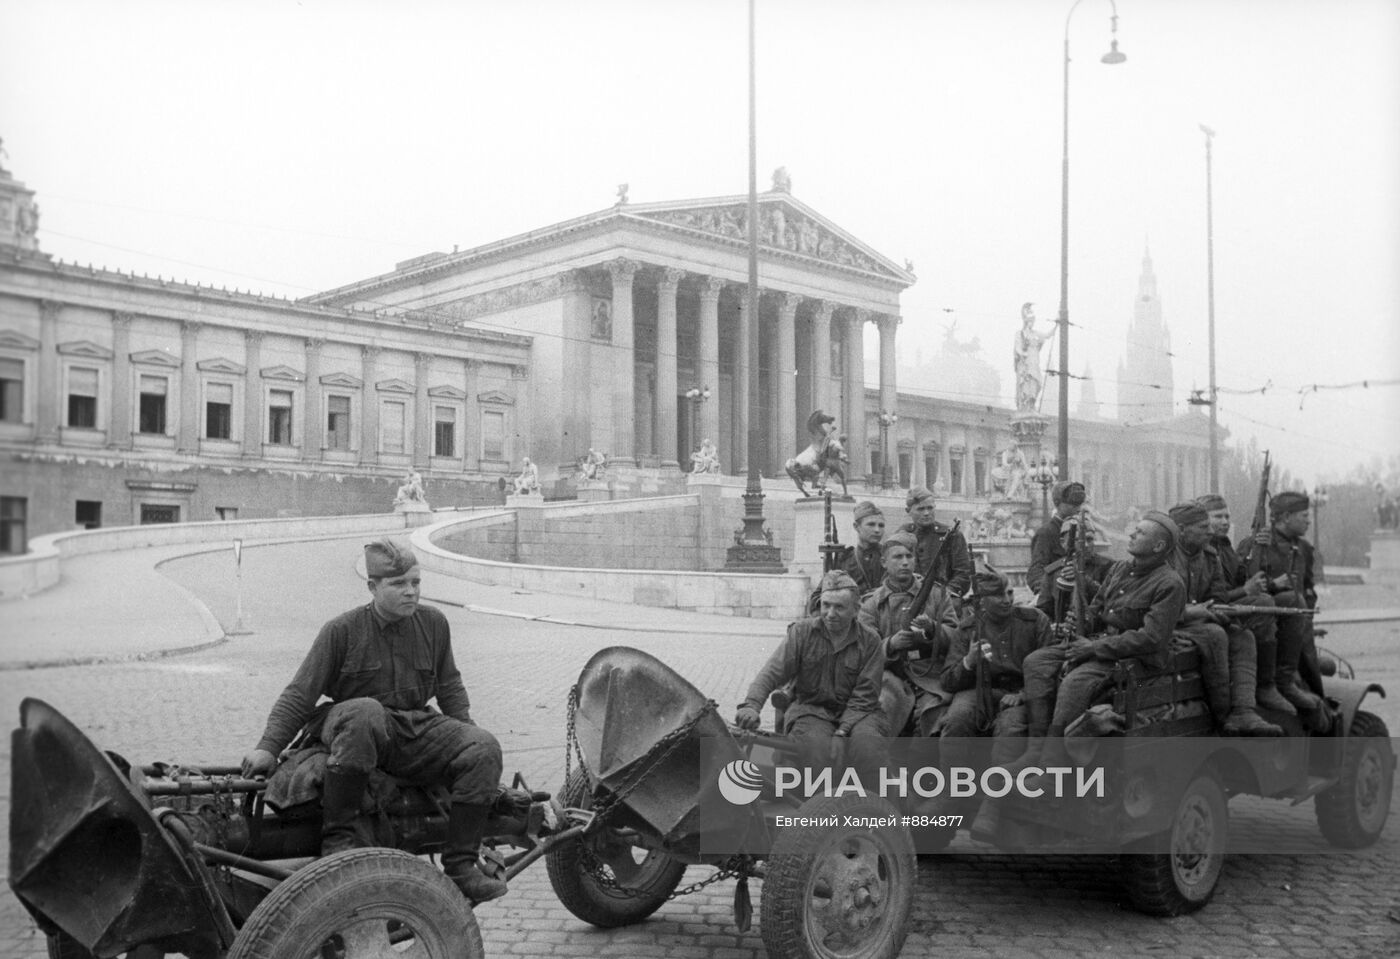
837 580
899 538
1068 491
1168 525
1184 514
1288 502
866 508
387 557
989 583
917 495
1212 501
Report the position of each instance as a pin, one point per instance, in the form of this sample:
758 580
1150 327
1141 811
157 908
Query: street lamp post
1319 500
1111 57
1043 475
1210 313
887 419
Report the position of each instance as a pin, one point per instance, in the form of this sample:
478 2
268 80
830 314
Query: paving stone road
210 706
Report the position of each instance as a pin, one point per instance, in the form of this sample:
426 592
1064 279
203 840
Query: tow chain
652 759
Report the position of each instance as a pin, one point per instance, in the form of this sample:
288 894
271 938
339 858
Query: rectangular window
13 512
493 435
226 512
279 417
152 413
337 422
906 469
444 431
931 470
88 514
218 411
82 397
979 472
875 463
955 475
391 423
159 513
11 391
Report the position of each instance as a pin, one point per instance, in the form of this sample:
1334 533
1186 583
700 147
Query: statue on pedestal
1026 359
1011 476
410 495
824 458
528 482
706 458
591 465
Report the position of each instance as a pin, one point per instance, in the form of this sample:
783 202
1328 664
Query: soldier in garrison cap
1130 618
836 664
1228 651
1068 498
914 640
379 665
955 567
1290 565
864 561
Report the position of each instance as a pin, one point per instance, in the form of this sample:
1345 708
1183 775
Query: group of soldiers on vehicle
959 659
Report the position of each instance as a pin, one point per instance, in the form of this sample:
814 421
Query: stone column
119 432
821 356
888 326
741 386
786 410
854 424
313 425
252 394
49 390
709 357
624 441
471 429
369 407
422 411
665 444
188 435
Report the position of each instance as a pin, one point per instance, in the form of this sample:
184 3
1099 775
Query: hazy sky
292 147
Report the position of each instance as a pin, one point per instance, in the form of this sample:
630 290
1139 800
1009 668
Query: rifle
986 707
1241 609
1260 521
926 588
830 548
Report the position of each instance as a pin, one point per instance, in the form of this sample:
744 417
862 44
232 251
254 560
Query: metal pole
1062 446
1210 313
238 628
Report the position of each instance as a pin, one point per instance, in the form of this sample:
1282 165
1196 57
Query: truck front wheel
1352 813
1176 871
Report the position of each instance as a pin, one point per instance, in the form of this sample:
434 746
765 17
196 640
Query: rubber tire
656 878
1352 813
366 887
1161 883
805 859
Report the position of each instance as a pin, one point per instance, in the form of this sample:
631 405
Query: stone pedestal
412 506
811 532
1385 556
703 479
593 490
524 500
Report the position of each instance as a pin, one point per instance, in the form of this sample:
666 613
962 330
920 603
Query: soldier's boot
342 792
1242 719
466 825
1035 745
1266 692
1052 753
1291 640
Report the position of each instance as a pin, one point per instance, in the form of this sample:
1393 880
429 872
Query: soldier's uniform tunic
910 686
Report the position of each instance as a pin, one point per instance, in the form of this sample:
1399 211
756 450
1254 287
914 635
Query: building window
955 475
11 390
444 431
88 514
82 398
931 470
151 418
159 513
337 422
906 469
13 510
493 435
279 418
218 411
875 464
391 427
226 512
979 474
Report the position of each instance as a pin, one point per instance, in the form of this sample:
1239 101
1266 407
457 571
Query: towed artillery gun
115 859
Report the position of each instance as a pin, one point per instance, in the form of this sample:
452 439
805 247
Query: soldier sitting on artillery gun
379 664
836 663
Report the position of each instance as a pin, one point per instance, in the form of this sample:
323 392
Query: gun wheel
362 904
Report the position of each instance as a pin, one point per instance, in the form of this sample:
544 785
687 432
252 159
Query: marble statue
706 458
591 464
1026 358
823 459
528 482
411 491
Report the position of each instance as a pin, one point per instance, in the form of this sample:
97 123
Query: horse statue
823 459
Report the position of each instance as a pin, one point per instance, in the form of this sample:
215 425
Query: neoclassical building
130 399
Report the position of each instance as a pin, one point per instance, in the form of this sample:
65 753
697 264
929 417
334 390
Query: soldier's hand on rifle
258 762
903 641
746 718
1256 584
1280 582
1080 652
1012 699
1263 537
921 622
974 653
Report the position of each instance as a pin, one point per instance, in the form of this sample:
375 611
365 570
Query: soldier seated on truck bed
1227 649
1130 619
379 664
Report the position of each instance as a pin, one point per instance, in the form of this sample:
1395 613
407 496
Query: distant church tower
1148 362
1088 397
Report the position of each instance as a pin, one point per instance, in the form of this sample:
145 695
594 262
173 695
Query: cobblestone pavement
210 706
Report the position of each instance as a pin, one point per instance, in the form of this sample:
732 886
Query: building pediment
496 396
282 373
85 348
343 380
155 358
394 386
221 365
14 340
785 225
447 393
